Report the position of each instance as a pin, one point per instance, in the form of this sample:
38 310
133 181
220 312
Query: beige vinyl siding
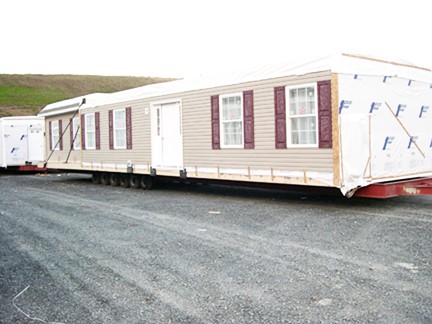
141 145
197 138
61 156
197 132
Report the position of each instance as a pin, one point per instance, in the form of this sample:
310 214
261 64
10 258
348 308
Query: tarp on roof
338 63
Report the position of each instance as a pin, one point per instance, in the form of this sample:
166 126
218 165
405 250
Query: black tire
114 179
124 180
147 182
135 181
96 178
105 179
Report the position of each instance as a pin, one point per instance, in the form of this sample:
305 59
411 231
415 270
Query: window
90 131
119 129
75 134
232 120
55 134
302 116
231 126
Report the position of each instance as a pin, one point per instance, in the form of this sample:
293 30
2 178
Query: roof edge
362 57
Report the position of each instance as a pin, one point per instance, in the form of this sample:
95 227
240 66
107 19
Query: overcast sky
187 38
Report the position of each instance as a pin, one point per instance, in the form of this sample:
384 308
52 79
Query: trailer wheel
124 180
96 178
114 179
146 182
105 179
135 181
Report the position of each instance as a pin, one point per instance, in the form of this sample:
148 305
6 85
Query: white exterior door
167 139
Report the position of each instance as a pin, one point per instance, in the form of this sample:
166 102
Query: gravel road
207 254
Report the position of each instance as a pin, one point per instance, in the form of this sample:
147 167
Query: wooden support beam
335 130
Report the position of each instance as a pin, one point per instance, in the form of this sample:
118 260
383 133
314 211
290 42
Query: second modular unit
21 141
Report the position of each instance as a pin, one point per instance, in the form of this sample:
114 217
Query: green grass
28 94
29 97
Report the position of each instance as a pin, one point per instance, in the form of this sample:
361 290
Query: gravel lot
99 254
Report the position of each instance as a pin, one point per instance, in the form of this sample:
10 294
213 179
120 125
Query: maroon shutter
83 143
60 130
215 122
129 128
50 136
71 133
280 117
110 130
248 117
97 130
324 114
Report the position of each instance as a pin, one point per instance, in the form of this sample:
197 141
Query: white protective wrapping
337 63
385 129
21 140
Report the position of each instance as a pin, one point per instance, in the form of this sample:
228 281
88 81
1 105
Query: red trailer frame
411 187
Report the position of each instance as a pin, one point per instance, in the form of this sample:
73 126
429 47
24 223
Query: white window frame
289 117
119 128
221 121
75 127
90 132
55 135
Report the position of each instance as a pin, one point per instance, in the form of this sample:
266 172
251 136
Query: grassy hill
27 94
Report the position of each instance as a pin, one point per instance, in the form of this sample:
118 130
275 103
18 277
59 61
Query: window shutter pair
324 116
128 128
97 131
248 121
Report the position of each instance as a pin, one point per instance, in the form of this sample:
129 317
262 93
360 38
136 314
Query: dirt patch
16 111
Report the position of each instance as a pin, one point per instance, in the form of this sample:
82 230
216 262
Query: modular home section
227 132
322 123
